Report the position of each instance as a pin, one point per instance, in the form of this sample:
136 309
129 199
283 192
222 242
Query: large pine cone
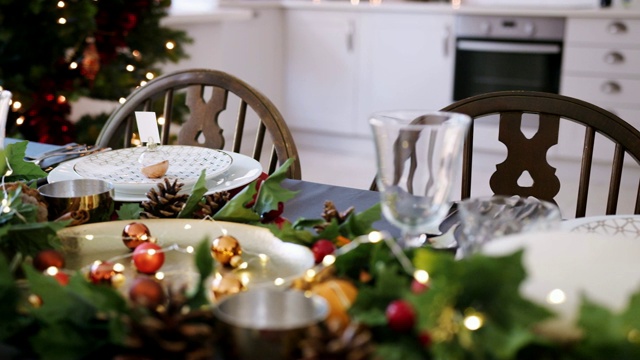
211 204
30 196
164 201
172 332
326 341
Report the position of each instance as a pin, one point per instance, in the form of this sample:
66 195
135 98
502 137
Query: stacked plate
223 170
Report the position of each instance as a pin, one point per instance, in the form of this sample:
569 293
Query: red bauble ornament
62 278
147 292
425 339
105 272
400 316
148 258
48 258
135 234
322 248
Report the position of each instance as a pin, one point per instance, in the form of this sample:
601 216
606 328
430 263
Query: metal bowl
80 200
267 323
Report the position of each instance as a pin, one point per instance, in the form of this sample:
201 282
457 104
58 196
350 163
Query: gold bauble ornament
224 248
226 284
135 234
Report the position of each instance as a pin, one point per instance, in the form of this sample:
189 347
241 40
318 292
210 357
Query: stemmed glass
418 156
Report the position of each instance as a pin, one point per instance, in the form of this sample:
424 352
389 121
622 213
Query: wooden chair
208 116
530 154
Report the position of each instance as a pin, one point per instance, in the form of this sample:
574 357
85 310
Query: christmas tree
53 52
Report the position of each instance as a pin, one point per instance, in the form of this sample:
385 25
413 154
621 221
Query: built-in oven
496 53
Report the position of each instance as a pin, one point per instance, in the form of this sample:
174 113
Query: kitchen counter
439 7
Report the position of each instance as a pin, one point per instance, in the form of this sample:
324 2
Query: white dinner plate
122 168
270 261
565 265
243 170
610 225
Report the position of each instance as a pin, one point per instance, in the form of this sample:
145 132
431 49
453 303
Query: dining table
551 256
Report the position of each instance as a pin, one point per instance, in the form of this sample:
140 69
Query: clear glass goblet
418 158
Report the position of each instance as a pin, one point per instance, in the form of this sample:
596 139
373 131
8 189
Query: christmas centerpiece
385 302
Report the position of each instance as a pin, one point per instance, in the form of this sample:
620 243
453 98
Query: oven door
484 66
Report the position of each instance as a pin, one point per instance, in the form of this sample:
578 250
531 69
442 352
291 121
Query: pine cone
173 332
330 212
164 202
212 203
327 342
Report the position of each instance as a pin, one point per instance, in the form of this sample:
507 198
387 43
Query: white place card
147 126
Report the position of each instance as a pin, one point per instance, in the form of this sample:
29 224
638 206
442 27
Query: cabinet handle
611 87
446 46
617 28
613 58
350 36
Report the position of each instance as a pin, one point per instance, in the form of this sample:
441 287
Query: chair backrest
207 97
529 154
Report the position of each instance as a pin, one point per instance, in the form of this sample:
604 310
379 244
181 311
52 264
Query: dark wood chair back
207 94
529 154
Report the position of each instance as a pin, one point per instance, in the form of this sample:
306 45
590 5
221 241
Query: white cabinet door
320 75
406 62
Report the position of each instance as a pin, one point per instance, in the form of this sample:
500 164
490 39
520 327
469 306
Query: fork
85 151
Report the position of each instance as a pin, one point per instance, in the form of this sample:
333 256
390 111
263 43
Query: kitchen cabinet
406 63
601 65
321 59
341 66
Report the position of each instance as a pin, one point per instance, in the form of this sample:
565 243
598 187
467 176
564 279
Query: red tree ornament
148 258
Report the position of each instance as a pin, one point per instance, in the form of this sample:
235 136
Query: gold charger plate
270 261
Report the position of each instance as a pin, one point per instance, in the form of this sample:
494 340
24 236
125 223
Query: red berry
147 292
104 272
148 258
48 258
418 288
400 316
62 277
322 248
273 215
425 339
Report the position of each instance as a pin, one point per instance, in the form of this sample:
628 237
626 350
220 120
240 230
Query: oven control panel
501 27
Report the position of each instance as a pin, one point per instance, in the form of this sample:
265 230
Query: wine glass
418 156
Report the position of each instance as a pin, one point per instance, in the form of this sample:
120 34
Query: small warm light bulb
190 249
278 281
159 275
130 68
6 209
143 83
136 54
556 296
329 260
88 237
122 100
473 322
170 45
151 252
149 76
310 274
160 120
20 120
61 4
117 267
73 65
421 276
16 105
62 99
52 271
263 258
62 21
375 237
187 226
9 172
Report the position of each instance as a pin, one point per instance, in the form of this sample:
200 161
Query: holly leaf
20 169
361 223
271 191
204 264
236 211
129 211
288 232
198 191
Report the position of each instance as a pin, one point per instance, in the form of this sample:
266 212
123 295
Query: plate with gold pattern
122 169
267 261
